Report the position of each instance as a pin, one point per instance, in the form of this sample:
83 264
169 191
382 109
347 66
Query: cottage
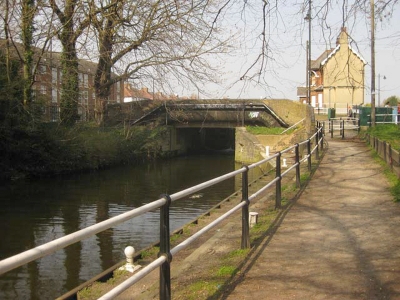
337 77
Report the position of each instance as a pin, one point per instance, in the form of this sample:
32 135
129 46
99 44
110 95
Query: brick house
337 77
132 94
47 85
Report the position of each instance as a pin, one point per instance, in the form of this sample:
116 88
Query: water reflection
36 212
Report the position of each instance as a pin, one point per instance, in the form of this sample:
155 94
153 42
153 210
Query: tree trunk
69 87
27 38
70 78
102 78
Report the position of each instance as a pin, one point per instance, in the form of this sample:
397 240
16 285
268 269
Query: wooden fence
385 151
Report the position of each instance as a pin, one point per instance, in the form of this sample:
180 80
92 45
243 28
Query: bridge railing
312 146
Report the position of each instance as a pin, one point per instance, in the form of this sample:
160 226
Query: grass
387 132
150 252
394 181
267 130
391 134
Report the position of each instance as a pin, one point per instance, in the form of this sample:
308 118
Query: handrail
294 125
166 254
25 257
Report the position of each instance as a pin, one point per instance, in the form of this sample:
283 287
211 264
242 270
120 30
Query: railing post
342 127
278 197
297 157
390 157
165 271
331 128
384 151
359 125
245 210
309 154
317 144
321 134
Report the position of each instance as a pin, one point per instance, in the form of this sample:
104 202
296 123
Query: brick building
47 85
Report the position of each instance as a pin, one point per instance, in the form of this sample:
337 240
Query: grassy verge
392 178
387 132
391 134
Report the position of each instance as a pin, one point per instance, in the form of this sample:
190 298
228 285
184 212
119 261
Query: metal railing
166 253
342 124
385 119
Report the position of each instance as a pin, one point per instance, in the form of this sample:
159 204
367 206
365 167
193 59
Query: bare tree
154 39
73 22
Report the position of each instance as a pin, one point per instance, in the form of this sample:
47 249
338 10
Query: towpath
340 240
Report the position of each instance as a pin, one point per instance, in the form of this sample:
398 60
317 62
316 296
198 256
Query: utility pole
309 52
307 72
373 63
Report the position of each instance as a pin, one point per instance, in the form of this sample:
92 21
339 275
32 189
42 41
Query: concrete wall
292 112
251 148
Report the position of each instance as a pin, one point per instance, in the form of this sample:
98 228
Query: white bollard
284 165
267 151
253 218
129 266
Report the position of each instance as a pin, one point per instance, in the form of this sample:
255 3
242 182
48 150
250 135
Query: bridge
215 125
208 114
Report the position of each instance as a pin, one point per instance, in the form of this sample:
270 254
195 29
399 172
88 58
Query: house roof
327 54
142 94
316 64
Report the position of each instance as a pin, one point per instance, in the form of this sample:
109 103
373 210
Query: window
85 80
42 69
54 76
54 98
54 113
80 75
43 89
83 97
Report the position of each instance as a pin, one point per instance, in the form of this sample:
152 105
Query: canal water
38 211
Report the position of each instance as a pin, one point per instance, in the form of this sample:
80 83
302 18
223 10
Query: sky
288 35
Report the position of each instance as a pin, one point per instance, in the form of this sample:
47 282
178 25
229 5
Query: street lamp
379 88
308 18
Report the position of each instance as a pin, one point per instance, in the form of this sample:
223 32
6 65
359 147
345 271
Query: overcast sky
288 33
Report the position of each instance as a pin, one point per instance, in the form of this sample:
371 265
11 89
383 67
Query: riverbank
49 149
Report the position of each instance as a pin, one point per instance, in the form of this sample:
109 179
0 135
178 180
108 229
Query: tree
153 39
28 14
70 14
392 101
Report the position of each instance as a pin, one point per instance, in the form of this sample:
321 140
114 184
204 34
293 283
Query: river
38 211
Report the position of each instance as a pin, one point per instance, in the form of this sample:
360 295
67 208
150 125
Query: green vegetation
392 101
391 134
387 132
392 178
256 130
151 252
49 149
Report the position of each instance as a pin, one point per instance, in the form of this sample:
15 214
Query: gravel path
340 239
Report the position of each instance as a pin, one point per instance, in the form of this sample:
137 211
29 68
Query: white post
267 151
253 218
129 266
284 165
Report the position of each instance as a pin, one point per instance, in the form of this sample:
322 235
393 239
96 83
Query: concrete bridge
216 125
